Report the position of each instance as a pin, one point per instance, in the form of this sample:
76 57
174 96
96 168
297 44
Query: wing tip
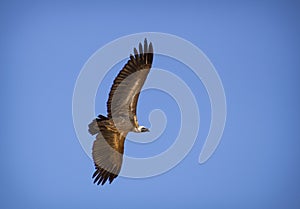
101 176
141 49
148 48
143 54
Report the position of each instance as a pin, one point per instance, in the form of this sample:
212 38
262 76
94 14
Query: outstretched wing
127 85
108 149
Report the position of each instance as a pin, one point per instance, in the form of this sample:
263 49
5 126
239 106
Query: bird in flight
111 130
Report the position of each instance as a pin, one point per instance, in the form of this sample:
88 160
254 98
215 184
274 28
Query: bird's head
141 129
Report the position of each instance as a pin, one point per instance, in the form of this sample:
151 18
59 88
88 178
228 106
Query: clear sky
254 46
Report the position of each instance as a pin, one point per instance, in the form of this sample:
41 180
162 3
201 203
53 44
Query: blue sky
253 45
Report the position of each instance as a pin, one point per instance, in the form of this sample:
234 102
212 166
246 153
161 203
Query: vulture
111 130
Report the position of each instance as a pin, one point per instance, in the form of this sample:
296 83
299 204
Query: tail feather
94 126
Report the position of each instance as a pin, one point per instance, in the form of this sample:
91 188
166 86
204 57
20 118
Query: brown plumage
108 148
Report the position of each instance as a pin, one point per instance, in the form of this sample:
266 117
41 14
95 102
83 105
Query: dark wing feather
127 85
108 149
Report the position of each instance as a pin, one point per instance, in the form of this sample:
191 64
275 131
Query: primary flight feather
111 131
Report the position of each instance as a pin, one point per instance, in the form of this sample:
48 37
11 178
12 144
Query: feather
111 131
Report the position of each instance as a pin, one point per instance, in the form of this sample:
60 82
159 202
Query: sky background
254 46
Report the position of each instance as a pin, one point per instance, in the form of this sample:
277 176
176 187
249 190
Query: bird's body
108 148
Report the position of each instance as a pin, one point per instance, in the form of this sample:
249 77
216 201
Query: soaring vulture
111 130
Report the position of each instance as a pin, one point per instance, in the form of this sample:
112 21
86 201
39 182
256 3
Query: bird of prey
111 130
